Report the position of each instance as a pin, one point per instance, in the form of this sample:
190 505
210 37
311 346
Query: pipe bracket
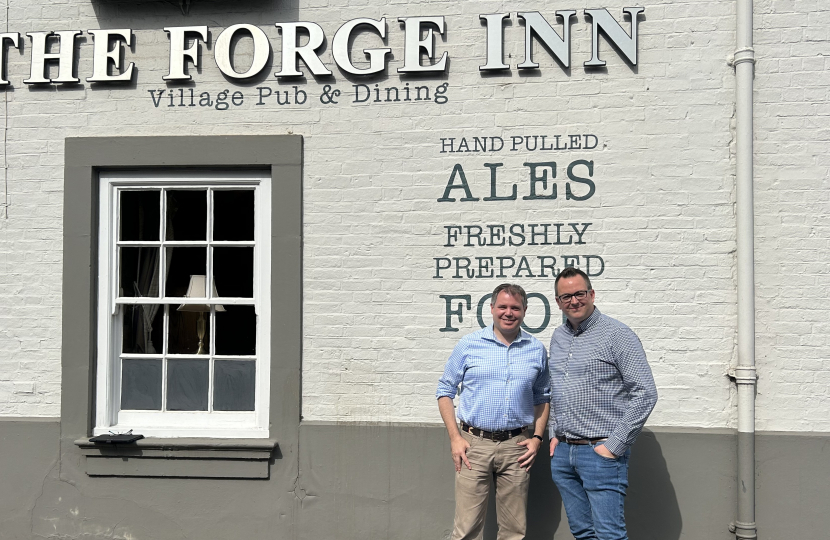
744 531
743 55
743 375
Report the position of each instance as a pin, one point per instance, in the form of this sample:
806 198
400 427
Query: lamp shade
197 289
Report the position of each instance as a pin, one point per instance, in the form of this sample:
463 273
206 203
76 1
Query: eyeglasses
579 295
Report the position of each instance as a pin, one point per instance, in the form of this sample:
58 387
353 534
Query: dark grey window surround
186 457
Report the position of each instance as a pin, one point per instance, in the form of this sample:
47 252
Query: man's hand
553 442
458 447
540 421
604 452
526 460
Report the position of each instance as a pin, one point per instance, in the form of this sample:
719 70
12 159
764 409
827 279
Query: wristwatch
538 437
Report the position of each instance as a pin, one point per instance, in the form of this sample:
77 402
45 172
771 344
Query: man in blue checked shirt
602 395
504 405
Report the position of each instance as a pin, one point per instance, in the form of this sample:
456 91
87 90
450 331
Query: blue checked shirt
602 385
500 384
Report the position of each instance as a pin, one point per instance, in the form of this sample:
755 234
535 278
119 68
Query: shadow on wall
652 510
154 14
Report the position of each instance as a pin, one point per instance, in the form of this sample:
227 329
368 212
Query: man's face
575 309
508 313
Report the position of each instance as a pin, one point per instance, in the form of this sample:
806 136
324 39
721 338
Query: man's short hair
512 290
569 273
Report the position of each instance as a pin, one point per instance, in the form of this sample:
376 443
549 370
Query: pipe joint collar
743 375
744 531
743 55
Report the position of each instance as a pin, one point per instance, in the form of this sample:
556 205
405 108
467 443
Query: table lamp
197 289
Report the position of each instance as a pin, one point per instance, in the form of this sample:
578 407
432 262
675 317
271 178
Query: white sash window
184 303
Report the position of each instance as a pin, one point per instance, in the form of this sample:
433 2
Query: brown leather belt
581 441
492 435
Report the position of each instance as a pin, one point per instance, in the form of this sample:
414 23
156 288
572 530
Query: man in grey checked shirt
503 410
602 394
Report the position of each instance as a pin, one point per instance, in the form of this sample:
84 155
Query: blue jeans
592 489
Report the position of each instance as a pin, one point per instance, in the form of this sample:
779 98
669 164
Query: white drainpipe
744 373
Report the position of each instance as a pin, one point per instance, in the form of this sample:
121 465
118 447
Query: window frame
83 158
108 416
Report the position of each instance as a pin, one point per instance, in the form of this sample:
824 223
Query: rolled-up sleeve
453 372
541 388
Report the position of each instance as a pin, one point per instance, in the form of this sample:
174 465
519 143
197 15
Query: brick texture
792 172
662 216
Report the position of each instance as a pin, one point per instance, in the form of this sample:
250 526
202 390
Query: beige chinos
499 461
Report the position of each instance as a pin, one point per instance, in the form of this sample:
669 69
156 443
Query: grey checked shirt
601 384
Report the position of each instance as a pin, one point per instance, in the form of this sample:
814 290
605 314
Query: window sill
181 458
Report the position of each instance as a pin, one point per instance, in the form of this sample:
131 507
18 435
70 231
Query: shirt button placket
507 384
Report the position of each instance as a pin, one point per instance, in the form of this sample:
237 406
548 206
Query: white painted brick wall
792 171
662 217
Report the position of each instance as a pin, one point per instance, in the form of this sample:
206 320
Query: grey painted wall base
28 462
365 479
396 481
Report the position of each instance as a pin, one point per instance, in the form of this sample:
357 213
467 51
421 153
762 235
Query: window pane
236 330
234 385
187 329
139 215
187 385
142 329
139 268
141 384
186 215
182 263
233 268
233 215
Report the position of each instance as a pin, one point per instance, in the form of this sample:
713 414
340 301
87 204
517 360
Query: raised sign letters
420 54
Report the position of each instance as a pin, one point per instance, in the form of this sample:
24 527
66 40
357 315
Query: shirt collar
586 324
490 334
